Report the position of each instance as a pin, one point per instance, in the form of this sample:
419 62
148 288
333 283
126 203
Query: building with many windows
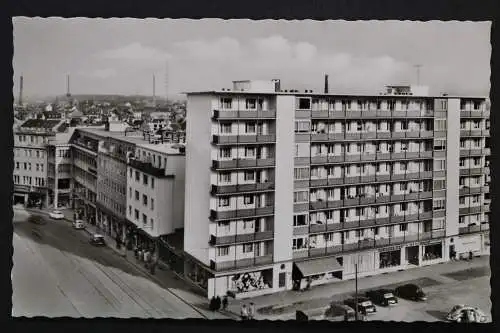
286 189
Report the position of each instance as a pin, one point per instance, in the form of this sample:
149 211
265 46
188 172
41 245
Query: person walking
470 255
244 312
224 303
251 311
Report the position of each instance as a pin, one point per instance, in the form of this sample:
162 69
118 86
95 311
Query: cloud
135 52
99 73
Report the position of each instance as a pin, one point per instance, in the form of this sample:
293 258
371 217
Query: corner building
285 189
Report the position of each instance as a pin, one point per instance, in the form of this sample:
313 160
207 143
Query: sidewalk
198 302
267 306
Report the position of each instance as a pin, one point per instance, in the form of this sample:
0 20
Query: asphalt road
58 273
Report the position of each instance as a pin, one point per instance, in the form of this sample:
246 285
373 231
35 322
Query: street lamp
356 286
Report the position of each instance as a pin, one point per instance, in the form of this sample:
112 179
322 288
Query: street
57 272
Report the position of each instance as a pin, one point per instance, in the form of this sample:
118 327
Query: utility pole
418 73
356 286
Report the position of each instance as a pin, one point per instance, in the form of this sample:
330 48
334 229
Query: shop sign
430 242
390 248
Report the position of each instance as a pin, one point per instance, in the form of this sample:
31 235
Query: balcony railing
329 159
241 263
474 114
241 238
147 167
474 228
234 114
228 189
243 163
243 212
243 139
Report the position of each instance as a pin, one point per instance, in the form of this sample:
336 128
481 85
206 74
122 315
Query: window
225 152
438 224
439 144
130 172
250 128
225 177
477 161
304 103
17 165
404 206
251 103
152 183
144 179
129 210
477 105
136 195
439 165
130 192
444 105
247 248
144 219
462 162
301 173
462 125
226 103
144 200
475 199
248 199
439 184
136 214
302 126
403 227
300 196
298 243
249 176
440 124
225 128
137 176
223 201
439 204
249 152
152 223
299 220
222 251
462 143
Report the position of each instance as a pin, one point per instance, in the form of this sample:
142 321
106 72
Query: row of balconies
370 178
246 114
326 114
147 167
366 223
475 114
386 135
475 132
474 152
243 163
241 238
474 228
366 244
244 139
322 159
474 190
474 171
238 188
474 209
359 201
241 213
241 263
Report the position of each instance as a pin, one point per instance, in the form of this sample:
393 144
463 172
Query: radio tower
21 90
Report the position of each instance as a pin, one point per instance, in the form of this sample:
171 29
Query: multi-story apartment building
285 189
30 160
155 199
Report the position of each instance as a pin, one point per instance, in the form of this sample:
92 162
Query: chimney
326 83
21 90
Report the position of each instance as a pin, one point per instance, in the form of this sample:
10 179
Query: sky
120 56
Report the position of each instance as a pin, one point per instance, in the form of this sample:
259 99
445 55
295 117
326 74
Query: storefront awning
318 266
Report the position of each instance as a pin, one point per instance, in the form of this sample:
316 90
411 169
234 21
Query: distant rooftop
165 148
40 124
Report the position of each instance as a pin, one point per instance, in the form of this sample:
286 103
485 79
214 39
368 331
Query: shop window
390 259
432 252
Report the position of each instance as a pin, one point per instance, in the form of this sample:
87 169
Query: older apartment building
285 188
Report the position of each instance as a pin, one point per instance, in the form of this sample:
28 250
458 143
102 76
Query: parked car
36 220
78 224
339 312
365 306
411 291
56 215
466 314
97 240
383 297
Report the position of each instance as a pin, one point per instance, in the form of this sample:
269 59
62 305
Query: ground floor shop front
30 199
477 244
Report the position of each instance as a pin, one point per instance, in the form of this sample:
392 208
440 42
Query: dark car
383 297
97 240
365 305
411 291
339 312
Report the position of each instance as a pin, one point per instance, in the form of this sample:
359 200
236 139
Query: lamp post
356 286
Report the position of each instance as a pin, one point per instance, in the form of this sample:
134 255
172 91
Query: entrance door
452 252
412 255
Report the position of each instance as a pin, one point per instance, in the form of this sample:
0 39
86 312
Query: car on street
339 312
97 240
410 291
56 215
365 305
383 297
466 314
36 220
78 224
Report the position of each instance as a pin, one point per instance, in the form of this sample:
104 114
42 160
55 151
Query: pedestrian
244 312
470 255
218 303
251 311
224 303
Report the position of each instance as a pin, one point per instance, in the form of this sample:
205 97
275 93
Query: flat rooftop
165 148
102 132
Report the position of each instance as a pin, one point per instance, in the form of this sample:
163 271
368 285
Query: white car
56 215
78 224
466 313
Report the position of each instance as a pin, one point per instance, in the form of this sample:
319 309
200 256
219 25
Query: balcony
242 263
147 168
353 114
243 163
320 114
233 114
319 159
241 238
237 213
319 137
318 182
228 189
336 114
